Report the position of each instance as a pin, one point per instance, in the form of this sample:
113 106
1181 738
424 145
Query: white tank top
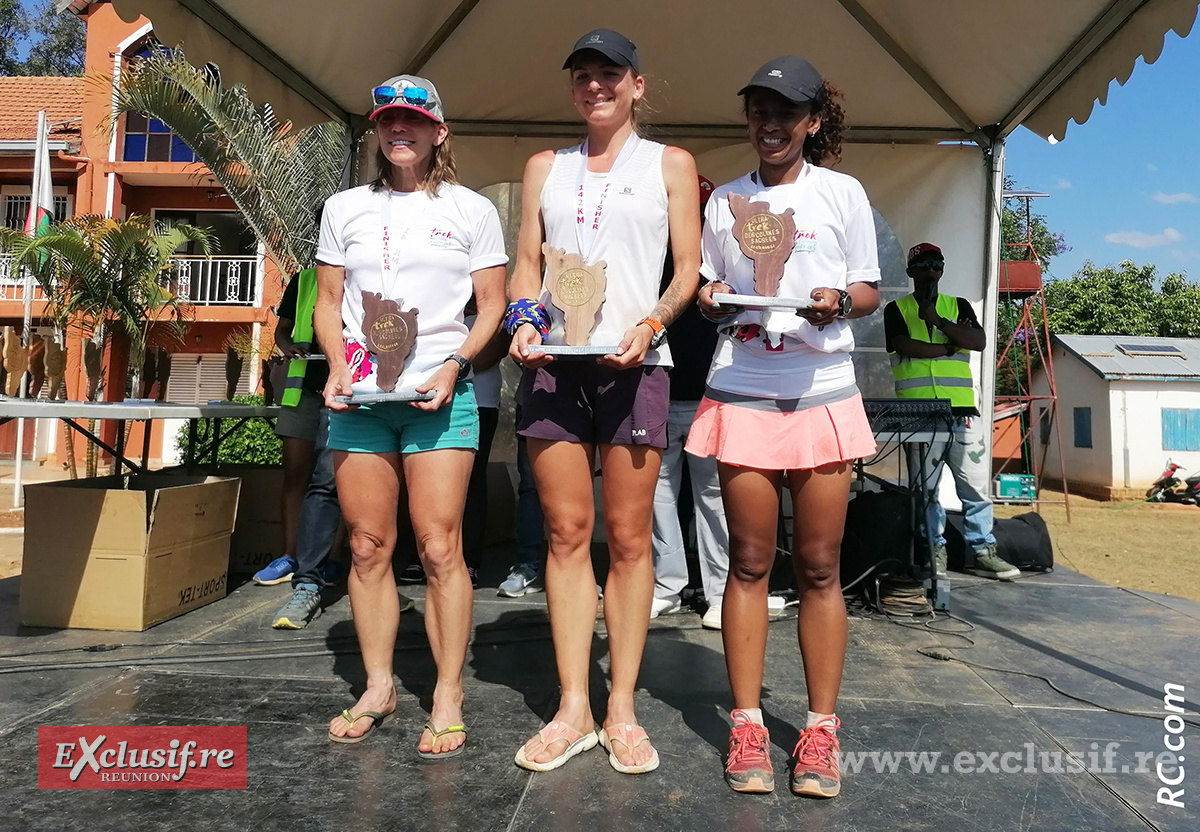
631 238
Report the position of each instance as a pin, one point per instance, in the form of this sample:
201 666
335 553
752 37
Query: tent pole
994 207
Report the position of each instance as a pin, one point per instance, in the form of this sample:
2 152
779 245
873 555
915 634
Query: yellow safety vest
302 336
945 377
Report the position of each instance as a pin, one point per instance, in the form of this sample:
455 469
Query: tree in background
276 174
58 42
14 26
1125 299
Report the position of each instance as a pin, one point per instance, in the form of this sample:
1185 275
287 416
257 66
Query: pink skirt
775 441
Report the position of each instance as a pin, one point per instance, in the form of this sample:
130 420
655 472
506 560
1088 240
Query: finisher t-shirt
435 242
834 246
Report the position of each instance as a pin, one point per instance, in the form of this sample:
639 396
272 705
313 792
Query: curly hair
823 148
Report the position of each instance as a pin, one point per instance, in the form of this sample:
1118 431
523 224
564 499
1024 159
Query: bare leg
563 472
751 499
630 476
819 499
297 471
369 485
436 495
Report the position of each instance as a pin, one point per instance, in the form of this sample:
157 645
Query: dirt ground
1146 546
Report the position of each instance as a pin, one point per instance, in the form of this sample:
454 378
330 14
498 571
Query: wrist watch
660 331
941 322
464 365
845 303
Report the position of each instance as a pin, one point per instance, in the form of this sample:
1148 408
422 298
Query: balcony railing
12 281
216 281
200 281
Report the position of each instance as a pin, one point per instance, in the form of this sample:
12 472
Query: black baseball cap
612 45
793 78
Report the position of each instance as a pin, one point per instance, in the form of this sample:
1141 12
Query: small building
1126 405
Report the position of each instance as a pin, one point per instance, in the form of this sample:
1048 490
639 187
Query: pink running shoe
748 768
816 772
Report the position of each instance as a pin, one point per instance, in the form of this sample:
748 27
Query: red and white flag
41 205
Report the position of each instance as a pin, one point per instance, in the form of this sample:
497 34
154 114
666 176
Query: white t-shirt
835 246
436 243
631 238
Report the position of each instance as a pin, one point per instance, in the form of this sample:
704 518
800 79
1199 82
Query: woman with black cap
397 262
782 402
600 213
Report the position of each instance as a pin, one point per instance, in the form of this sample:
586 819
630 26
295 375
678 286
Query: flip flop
578 743
351 718
630 736
443 755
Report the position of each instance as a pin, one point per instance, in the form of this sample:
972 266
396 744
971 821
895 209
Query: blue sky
1126 185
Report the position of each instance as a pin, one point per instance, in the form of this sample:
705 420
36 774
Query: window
1044 425
1180 429
197 378
1083 427
148 139
16 210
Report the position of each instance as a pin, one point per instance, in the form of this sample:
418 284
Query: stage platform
223 665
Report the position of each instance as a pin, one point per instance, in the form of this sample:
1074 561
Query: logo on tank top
806 240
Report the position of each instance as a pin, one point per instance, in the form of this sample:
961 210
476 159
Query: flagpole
40 171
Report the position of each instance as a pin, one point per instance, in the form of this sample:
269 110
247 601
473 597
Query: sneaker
474 576
406 604
815 770
664 606
990 565
414 573
748 766
332 573
303 608
940 559
521 580
277 571
712 617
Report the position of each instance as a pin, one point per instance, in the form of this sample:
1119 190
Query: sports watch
845 303
660 331
464 365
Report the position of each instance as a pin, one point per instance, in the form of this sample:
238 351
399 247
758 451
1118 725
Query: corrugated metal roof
1103 354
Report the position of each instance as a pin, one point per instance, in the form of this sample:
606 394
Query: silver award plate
723 299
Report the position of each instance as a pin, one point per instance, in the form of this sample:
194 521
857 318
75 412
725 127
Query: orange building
141 169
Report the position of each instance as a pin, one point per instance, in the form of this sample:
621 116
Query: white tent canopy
914 74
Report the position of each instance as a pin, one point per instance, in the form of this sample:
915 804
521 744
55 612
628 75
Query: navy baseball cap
793 78
612 45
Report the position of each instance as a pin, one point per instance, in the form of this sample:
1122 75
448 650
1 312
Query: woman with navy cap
782 403
397 262
609 204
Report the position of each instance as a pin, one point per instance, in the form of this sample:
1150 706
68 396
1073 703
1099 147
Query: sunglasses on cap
414 96
935 265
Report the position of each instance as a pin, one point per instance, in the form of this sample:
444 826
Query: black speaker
878 529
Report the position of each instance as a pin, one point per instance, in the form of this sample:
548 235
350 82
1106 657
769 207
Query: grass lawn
1149 546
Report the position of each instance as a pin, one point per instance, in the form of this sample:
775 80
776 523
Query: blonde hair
442 169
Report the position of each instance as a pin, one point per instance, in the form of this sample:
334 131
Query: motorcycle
1169 488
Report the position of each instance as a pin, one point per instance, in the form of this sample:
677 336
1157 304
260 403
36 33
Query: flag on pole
41 203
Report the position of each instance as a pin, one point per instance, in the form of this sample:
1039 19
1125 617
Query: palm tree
275 174
108 279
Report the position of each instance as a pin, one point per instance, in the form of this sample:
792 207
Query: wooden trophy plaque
389 332
764 237
577 290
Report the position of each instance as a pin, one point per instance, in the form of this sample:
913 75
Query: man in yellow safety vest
930 337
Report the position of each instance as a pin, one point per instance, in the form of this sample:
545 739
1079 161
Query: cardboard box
136 551
258 531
